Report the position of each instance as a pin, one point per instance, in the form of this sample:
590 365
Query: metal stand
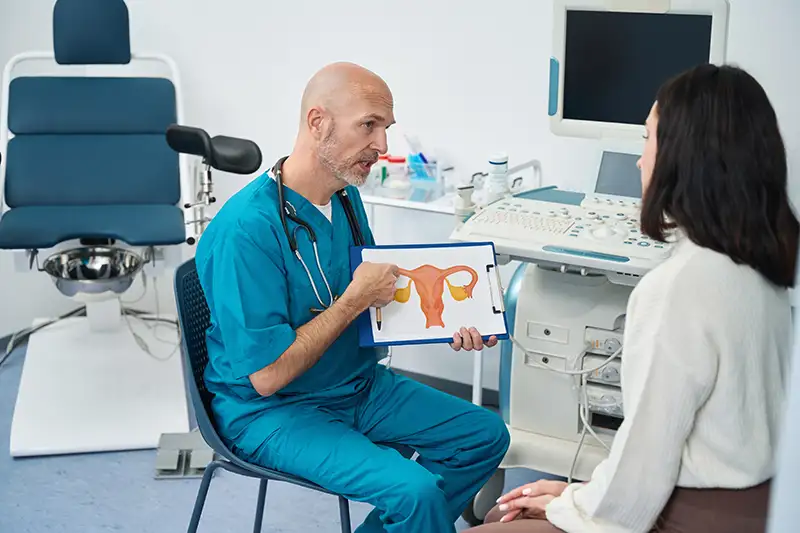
204 199
182 456
477 378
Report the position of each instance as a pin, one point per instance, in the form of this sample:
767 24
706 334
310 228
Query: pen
378 317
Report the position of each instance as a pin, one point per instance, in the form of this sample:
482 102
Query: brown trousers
687 511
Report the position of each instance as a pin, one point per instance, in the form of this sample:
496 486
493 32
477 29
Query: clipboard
442 287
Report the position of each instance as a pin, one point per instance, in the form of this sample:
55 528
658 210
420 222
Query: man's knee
420 489
502 438
495 438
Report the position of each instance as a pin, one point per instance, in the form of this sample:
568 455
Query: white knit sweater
706 356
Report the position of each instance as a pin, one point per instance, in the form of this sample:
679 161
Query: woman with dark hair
708 332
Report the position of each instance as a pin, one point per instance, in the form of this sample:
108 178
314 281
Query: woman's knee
494 515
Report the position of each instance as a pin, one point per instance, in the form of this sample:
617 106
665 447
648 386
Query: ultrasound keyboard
600 232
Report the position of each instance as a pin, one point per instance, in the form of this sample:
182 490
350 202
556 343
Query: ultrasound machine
581 254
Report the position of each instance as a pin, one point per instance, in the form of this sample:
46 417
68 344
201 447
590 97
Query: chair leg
262 498
201 496
344 514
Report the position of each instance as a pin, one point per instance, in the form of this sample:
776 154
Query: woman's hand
526 507
530 501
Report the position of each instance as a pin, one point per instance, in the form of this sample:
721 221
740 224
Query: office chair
194 320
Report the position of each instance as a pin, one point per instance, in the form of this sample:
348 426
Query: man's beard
344 169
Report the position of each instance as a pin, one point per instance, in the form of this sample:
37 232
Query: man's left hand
469 339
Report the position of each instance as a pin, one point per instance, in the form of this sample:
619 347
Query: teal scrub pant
332 442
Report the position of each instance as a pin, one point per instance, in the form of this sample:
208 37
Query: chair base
182 456
92 391
205 484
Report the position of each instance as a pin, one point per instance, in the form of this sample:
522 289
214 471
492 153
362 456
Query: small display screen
619 175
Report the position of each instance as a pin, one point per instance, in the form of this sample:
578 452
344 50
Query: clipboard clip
495 309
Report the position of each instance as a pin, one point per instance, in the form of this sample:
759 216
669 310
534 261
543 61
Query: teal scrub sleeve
252 302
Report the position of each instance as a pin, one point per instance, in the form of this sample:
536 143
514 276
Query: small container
381 170
376 175
397 183
497 180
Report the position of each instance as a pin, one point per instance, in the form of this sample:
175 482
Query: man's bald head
346 110
333 86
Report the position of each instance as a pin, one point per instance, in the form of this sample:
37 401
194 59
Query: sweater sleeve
671 363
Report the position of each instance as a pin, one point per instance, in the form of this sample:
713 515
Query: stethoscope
287 210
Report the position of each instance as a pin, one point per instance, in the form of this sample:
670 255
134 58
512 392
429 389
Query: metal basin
93 270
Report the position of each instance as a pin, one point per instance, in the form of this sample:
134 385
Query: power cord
159 320
144 318
583 410
21 337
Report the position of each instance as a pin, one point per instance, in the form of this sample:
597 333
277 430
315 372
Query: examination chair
194 320
92 195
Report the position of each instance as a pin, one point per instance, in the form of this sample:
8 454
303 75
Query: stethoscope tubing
291 236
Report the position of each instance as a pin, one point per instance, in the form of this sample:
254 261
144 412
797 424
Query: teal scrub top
258 294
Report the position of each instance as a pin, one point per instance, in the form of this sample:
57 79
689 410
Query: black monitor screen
615 62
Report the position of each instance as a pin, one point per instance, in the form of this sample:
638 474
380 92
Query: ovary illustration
429 282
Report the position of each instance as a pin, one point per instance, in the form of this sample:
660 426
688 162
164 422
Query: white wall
466 80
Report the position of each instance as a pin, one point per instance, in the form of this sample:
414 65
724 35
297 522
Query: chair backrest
194 319
103 136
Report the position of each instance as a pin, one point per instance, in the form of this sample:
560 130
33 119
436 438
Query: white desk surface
443 205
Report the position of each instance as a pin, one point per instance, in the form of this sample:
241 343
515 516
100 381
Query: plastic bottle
497 180
378 173
397 183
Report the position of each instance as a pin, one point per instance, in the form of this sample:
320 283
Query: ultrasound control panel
593 231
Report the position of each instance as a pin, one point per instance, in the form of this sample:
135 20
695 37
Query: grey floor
117 492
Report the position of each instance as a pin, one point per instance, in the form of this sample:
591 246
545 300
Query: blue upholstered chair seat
38 227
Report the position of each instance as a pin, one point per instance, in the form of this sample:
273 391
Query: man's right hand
374 284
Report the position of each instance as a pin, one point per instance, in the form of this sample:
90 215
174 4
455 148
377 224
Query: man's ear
315 120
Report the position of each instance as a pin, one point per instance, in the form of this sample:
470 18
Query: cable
577 453
583 404
158 319
142 343
19 338
568 372
141 296
144 318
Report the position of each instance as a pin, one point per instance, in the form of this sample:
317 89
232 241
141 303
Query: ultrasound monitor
611 56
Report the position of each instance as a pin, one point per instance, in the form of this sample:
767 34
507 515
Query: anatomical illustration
429 282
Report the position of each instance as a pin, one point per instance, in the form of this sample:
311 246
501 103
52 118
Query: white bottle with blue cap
497 180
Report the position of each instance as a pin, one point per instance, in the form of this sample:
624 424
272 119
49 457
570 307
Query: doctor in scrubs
293 390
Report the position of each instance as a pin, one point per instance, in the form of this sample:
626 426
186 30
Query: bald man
293 391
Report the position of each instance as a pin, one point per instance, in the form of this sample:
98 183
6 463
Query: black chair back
194 319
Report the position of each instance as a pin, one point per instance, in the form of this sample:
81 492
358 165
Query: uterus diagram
429 282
